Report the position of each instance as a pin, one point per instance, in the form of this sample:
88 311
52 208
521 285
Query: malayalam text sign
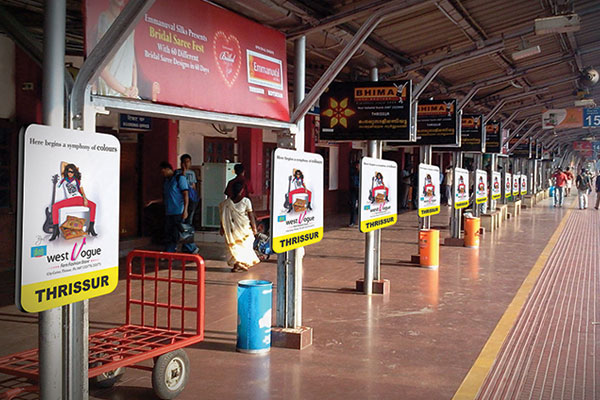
496 188
378 194
428 190
471 133
461 188
191 53
494 135
296 199
437 122
70 232
366 111
480 186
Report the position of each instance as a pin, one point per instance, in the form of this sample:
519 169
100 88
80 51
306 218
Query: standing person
176 199
238 226
584 185
570 179
406 181
354 187
240 173
448 181
561 180
190 176
597 191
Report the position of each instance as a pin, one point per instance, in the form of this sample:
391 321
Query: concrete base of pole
380 286
415 259
291 338
454 242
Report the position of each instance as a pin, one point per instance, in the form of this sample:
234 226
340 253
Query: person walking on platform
240 173
448 181
584 185
597 191
406 182
354 187
176 199
570 179
190 176
561 180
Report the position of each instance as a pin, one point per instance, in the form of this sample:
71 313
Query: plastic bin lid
254 283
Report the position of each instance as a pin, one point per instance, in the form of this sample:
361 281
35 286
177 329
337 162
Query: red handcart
161 295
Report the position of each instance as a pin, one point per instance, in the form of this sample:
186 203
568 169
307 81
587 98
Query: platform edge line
469 388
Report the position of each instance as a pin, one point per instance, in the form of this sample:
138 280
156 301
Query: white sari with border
238 232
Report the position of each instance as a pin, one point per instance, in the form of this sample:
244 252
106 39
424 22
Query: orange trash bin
472 232
429 248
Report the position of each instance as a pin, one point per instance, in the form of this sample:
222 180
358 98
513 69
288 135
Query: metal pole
50 322
370 239
476 207
289 264
377 239
493 161
425 157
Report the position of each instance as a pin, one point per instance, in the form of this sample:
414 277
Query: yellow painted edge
474 380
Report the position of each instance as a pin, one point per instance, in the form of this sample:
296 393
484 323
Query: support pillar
250 150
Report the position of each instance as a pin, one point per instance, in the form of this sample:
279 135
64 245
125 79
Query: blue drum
255 303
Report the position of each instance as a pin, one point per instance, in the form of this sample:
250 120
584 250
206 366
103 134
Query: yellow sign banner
461 204
481 200
297 239
425 212
378 223
45 295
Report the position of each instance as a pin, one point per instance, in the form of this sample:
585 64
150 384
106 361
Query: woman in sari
238 226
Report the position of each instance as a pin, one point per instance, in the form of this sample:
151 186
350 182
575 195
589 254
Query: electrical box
214 180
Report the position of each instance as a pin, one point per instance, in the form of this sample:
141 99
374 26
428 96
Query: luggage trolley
152 329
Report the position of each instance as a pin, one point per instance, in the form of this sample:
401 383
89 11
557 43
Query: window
218 150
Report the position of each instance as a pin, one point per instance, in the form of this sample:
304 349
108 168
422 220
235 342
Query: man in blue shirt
176 199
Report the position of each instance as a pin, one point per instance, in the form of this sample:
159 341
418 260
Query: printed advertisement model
296 199
496 185
429 190
461 188
481 186
507 185
378 194
70 227
515 183
523 185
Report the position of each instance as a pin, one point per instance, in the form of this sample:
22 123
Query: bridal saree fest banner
193 54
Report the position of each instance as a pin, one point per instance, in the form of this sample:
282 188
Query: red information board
193 54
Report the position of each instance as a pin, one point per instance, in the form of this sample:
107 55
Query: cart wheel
107 379
170 374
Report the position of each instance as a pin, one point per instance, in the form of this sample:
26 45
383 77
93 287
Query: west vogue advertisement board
471 134
70 226
378 194
193 54
296 199
461 188
428 190
480 185
496 186
366 111
507 185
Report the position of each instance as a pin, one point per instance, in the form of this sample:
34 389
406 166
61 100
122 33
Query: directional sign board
496 188
69 243
480 186
378 194
428 190
461 188
296 199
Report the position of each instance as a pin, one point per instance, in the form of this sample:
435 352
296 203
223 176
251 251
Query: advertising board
428 190
378 203
296 199
493 137
194 54
507 185
461 188
366 111
472 134
496 185
480 185
69 243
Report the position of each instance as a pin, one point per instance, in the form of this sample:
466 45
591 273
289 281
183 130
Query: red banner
193 54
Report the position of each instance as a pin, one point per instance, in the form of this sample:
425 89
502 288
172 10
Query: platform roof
407 44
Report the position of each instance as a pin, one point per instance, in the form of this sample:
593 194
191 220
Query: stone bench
503 209
491 221
515 207
528 201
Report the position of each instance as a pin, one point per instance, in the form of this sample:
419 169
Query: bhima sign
70 227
